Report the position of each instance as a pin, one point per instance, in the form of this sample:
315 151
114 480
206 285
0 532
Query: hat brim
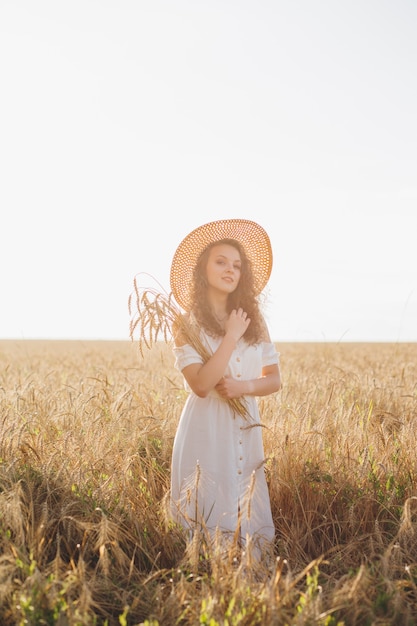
250 235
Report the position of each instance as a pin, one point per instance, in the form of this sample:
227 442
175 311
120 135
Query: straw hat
250 235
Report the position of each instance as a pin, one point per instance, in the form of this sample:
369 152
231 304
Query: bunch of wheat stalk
154 315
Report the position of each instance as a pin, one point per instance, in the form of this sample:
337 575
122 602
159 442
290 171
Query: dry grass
87 432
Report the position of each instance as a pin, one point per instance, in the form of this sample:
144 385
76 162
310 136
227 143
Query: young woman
218 480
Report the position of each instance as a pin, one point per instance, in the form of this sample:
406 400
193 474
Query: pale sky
125 124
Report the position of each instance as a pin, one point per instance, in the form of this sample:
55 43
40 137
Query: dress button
241 458
239 471
239 375
240 441
238 359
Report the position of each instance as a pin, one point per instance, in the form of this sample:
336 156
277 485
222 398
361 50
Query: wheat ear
154 315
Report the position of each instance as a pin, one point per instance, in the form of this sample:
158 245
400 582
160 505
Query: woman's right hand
236 324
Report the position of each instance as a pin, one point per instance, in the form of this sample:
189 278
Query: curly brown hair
244 296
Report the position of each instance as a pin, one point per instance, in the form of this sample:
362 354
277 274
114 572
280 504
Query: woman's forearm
262 386
268 383
204 378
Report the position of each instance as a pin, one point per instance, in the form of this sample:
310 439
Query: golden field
87 433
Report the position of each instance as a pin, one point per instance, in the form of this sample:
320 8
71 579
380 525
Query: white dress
218 459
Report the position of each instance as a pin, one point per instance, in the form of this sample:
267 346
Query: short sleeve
269 354
186 355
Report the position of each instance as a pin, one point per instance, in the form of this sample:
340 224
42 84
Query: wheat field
87 433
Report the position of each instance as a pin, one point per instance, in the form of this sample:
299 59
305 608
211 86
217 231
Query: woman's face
223 268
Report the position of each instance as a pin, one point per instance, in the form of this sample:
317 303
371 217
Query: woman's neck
219 308
220 316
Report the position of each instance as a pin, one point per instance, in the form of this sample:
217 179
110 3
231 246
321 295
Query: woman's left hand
229 388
